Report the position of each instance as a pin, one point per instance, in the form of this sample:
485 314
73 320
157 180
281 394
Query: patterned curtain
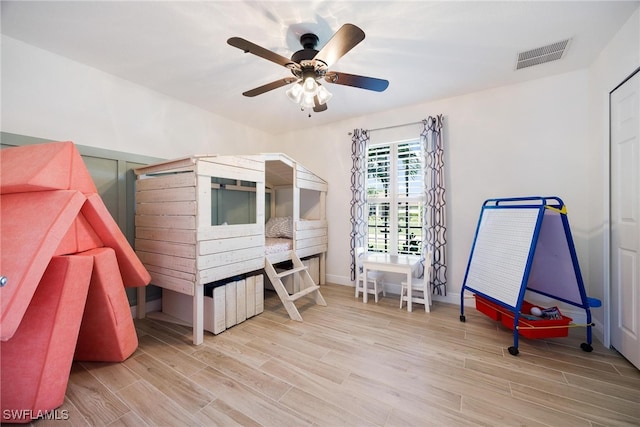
359 144
434 227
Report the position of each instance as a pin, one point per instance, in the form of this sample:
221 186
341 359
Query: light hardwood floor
355 364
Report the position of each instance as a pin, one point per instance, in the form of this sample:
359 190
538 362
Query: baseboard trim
153 305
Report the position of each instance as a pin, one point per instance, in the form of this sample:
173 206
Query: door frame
607 237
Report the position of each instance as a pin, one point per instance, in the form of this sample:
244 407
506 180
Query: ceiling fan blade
369 83
270 86
253 48
318 107
345 39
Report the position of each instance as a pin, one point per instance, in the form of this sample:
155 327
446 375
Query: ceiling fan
310 66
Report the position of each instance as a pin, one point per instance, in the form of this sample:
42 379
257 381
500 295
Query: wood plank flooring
355 364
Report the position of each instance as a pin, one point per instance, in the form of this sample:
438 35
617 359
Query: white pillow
279 227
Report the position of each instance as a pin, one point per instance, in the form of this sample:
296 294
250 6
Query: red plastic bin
545 328
533 329
487 308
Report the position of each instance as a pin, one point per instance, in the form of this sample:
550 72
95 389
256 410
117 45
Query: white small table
392 263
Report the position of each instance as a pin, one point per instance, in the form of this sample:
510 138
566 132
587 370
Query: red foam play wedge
35 363
133 272
79 238
43 167
107 333
32 227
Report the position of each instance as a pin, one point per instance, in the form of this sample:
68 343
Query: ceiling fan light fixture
307 101
295 93
310 86
323 95
308 92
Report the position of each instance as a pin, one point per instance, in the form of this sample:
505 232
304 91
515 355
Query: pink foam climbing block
36 361
107 333
79 238
132 271
43 167
32 228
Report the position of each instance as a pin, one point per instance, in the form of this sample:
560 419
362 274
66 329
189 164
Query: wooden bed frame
185 246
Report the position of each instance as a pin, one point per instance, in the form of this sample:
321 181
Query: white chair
420 291
373 277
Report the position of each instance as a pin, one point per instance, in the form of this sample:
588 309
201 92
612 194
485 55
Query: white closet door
625 219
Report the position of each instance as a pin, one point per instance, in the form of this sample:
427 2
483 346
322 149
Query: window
395 198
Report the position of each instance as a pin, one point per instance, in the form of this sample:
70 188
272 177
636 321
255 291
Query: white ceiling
427 50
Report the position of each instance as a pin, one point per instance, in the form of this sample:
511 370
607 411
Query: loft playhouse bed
203 235
525 244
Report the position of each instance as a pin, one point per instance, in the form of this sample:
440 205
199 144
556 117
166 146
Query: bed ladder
307 286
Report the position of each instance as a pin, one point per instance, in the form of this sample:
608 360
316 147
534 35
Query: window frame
394 199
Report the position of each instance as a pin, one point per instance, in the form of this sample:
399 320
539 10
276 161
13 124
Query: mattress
275 245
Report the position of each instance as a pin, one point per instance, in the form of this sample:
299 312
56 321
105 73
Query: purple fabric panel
552 271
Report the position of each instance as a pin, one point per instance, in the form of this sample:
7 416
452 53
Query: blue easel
522 244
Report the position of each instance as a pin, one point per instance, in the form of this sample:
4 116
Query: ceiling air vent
542 54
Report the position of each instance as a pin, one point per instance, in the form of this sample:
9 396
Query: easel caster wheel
513 351
586 347
462 318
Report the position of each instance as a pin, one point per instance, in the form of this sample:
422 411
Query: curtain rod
390 127
395 126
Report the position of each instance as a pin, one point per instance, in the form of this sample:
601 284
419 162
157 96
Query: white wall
616 62
519 140
48 96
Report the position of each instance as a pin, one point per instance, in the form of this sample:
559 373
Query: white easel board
525 244
502 252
